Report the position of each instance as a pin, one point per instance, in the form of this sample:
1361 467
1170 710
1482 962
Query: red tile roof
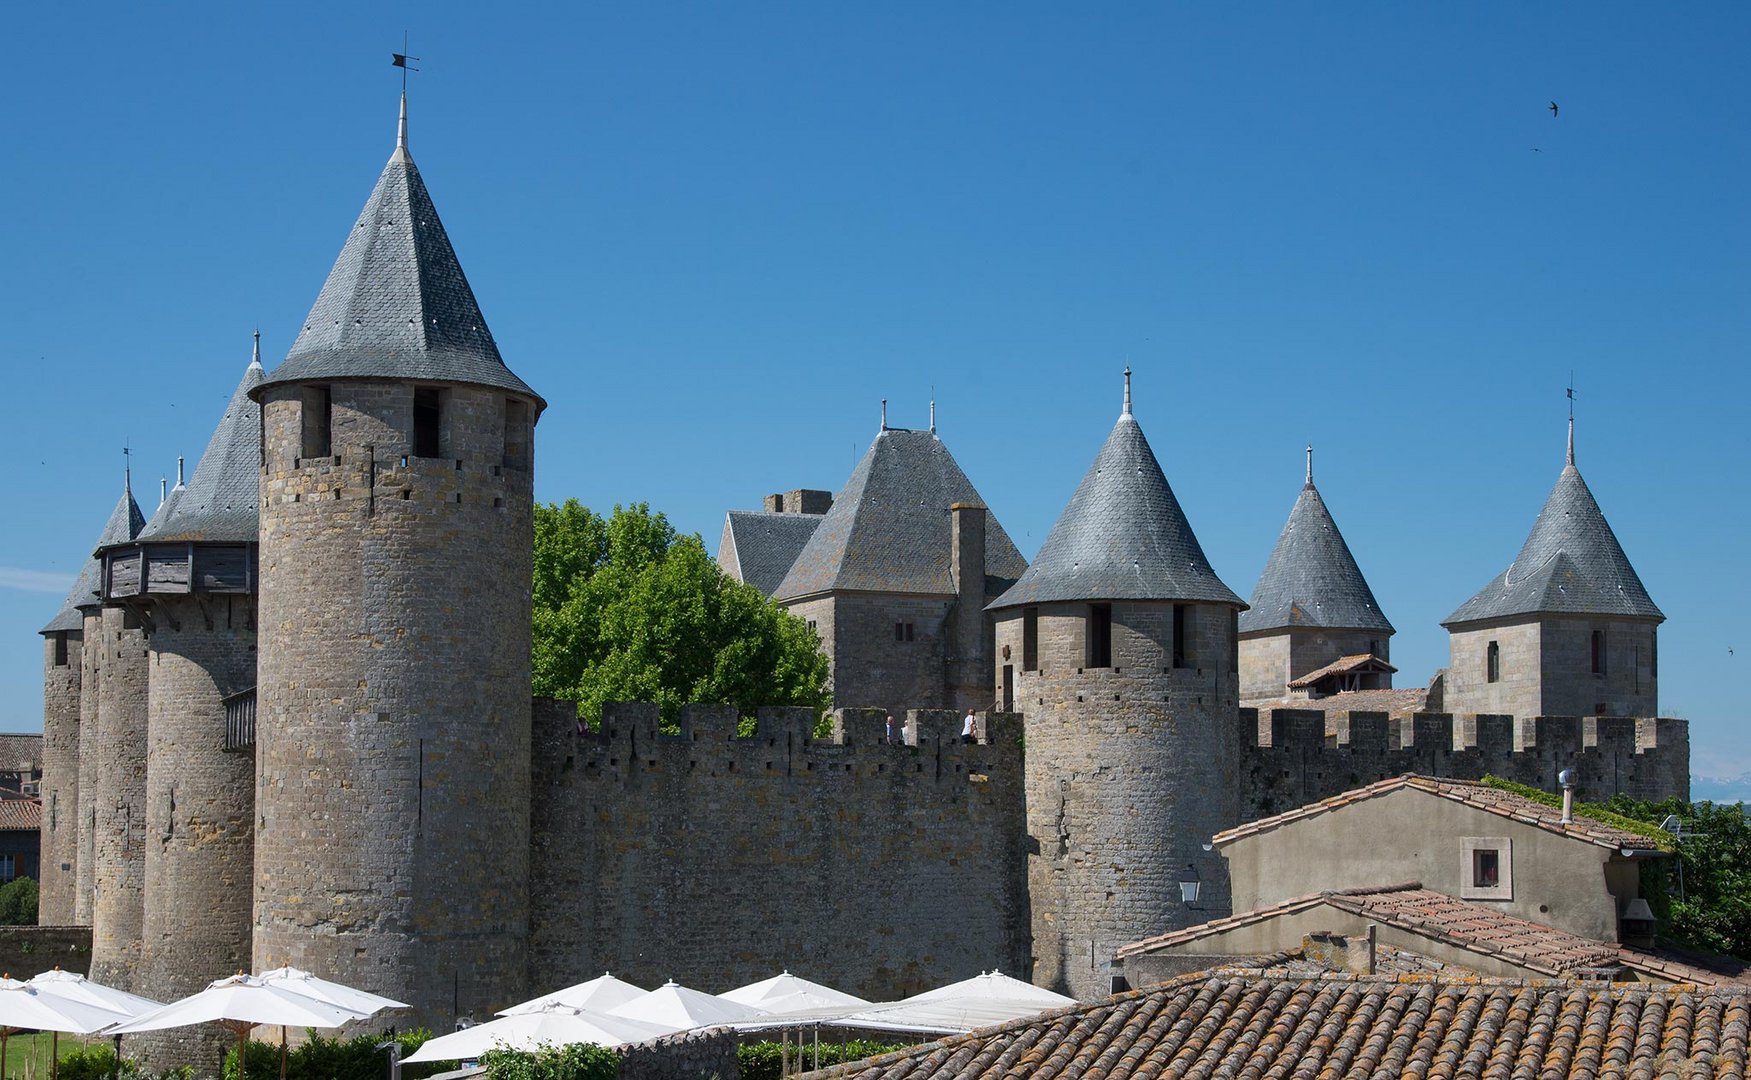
1343 665
21 814
1401 702
1472 793
1251 1023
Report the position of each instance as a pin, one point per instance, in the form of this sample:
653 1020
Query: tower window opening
1100 635
1030 639
317 422
1179 636
60 648
516 434
1493 663
1598 649
428 416
903 631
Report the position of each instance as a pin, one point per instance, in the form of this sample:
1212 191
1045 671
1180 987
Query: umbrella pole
55 1056
282 1052
5 1033
242 1047
784 1052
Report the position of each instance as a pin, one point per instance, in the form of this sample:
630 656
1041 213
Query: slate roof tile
125 522
889 529
765 545
219 505
1238 1022
1571 563
1311 579
1472 793
1123 536
397 305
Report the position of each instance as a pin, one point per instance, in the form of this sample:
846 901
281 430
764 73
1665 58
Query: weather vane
401 59
1571 393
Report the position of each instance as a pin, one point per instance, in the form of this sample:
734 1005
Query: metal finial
255 353
933 416
179 472
884 414
401 126
1310 463
163 484
127 470
1127 390
1571 393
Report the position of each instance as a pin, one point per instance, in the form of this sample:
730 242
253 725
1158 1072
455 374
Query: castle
288 720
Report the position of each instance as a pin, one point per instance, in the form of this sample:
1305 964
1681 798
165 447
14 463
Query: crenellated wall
1297 756
717 860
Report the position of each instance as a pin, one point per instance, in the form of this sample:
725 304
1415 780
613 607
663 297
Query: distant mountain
1717 790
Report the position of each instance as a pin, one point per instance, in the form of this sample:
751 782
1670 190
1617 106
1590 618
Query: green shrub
764 1060
322 1058
95 1062
578 1061
18 902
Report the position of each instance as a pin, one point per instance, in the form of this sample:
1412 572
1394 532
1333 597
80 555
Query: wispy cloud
17 577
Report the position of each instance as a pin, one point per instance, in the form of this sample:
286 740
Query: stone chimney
969 642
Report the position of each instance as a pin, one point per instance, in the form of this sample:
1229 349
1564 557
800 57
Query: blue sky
715 236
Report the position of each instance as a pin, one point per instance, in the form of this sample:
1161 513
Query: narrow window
1030 639
427 418
1486 868
1598 652
1373 646
1493 662
318 422
60 648
908 631
1100 635
899 631
516 434
1179 635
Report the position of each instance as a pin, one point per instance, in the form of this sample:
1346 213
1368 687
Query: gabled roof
21 815
219 504
1238 1022
1311 579
1122 537
397 305
1478 796
764 546
1570 564
125 523
1345 665
890 530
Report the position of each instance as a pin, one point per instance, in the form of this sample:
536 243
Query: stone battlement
1297 756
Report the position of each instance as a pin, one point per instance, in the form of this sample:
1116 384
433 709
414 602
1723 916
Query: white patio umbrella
682 1008
785 992
362 1002
240 1003
550 1025
72 986
24 1007
993 986
602 993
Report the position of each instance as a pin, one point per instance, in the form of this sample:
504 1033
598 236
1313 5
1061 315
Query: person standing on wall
969 728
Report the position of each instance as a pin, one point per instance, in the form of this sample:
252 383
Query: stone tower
190 578
1567 629
392 747
70 710
1312 611
1122 643
896 575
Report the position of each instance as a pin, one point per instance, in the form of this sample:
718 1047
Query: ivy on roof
1662 839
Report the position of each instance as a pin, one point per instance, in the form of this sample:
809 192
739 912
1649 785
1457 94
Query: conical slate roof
1570 564
397 305
219 504
1123 536
889 530
1311 579
125 523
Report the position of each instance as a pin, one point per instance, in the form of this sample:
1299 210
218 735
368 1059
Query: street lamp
1189 885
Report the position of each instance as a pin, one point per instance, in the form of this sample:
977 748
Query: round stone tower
392 744
1120 643
118 799
190 578
69 709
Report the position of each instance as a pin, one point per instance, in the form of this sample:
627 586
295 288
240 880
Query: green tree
1712 911
625 609
18 902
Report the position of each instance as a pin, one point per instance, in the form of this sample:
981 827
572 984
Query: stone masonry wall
1516 690
85 860
119 799
60 787
717 861
1130 771
873 669
1300 756
393 702
200 800
1626 687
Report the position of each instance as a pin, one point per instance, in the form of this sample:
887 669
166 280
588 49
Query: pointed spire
127 470
401 151
124 523
1309 464
255 353
217 504
1127 410
1311 578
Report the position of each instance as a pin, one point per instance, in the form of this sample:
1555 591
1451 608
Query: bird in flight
1553 110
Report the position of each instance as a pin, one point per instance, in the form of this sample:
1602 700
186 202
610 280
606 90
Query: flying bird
1553 110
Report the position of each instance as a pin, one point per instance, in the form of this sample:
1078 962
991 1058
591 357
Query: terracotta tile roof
1255 1023
1343 665
1407 701
21 815
1668 964
1483 929
1472 793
